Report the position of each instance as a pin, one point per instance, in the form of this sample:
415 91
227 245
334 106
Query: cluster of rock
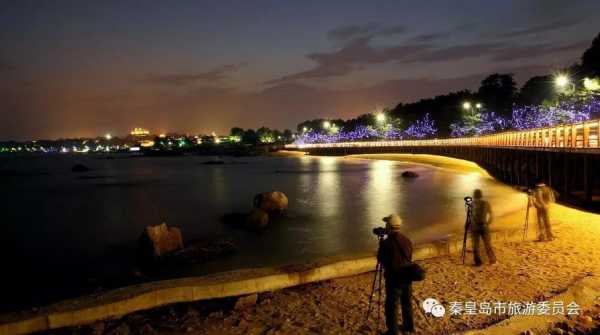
266 205
162 243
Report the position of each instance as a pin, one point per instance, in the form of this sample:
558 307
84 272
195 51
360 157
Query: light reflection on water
334 204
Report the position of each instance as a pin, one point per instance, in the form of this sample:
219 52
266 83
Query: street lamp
326 124
466 105
478 105
591 84
380 117
561 81
304 129
108 136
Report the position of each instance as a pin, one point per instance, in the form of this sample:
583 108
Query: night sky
83 68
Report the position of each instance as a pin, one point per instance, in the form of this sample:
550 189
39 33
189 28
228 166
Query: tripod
526 226
468 210
377 278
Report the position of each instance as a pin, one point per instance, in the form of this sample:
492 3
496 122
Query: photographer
541 199
481 218
395 251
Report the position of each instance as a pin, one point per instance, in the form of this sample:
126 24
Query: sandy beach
527 271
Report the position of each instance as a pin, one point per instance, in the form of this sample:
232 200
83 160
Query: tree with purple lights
423 128
567 111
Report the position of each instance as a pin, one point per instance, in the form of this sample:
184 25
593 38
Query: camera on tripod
468 200
380 232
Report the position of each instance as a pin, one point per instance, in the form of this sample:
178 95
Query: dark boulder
409 174
80 168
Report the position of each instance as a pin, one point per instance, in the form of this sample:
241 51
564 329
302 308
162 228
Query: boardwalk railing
577 135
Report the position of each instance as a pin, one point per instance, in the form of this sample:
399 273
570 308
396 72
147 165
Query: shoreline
155 294
442 264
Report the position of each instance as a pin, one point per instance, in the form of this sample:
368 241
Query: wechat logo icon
433 307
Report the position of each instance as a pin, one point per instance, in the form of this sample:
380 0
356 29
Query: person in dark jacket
542 197
481 218
396 250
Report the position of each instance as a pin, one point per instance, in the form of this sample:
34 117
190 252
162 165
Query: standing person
542 197
481 218
395 251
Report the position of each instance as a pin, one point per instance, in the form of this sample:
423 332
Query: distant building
140 132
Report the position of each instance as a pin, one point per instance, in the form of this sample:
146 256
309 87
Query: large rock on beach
274 202
257 219
162 239
409 174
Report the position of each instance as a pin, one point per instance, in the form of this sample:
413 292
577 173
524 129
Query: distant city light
380 117
326 124
140 132
478 105
108 136
217 140
466 105
134 149
162 135
591 84
304 129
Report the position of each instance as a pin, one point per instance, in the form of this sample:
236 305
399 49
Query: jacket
389 252
543 196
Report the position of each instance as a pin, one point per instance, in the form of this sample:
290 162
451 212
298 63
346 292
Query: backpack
403 268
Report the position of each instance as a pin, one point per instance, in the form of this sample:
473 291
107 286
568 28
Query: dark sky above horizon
85 68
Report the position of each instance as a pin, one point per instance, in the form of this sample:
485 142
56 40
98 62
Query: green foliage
497 92
590 60
537 91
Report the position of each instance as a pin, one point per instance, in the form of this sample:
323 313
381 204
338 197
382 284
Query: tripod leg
422 314
526 228
372 291
379 302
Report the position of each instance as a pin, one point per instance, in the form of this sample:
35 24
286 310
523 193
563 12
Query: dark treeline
498 93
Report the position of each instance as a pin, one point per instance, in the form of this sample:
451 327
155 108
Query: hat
393 221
